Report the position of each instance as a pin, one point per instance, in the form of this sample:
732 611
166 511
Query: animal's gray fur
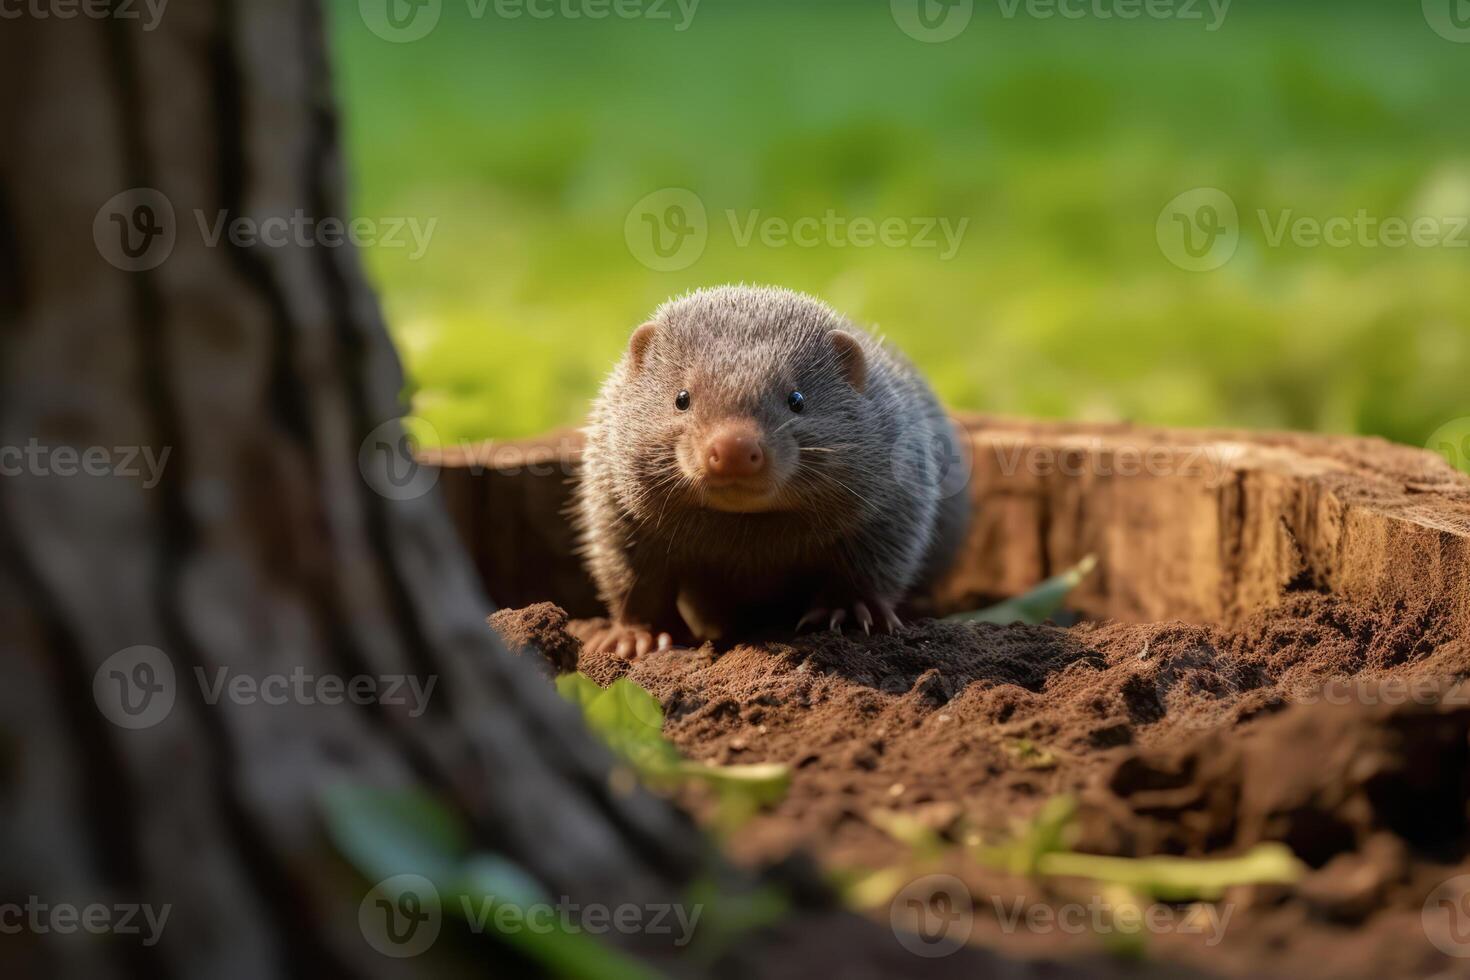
869 513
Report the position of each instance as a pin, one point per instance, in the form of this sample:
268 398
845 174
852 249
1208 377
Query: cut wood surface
1198 525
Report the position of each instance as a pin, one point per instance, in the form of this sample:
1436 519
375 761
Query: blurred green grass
1060 141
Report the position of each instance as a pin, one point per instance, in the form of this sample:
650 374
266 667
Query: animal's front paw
869 613
627 642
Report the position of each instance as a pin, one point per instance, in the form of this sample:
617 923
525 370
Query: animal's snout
734 454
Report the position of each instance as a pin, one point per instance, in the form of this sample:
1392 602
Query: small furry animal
755 461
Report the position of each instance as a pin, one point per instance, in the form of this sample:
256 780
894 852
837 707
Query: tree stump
1199 525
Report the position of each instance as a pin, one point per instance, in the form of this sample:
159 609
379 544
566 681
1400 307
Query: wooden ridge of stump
1198 525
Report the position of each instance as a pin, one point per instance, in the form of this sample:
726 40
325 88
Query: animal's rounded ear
638 344
850 358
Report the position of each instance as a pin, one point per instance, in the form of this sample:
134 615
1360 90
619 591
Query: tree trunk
258 545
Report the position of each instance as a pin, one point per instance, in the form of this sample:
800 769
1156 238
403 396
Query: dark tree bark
250 539
261 548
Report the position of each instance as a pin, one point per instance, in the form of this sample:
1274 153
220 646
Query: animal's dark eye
681 400
796 401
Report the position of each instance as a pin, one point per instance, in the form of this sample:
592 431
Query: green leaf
921 840
1045 833
488 880
630 720
491 875
1043 849
766 780
741 790
1177 879
627 711
579 689
731 916
389 832
877 888
1029 755
1037 605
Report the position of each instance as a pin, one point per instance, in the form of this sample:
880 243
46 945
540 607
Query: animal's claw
813 616
868 613
626 642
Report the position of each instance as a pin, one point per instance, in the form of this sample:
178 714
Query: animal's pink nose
734 454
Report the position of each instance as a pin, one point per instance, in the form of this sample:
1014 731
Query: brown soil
1277 623
1328 724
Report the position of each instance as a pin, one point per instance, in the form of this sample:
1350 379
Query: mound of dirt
1331 726
539 631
